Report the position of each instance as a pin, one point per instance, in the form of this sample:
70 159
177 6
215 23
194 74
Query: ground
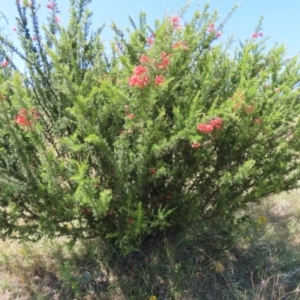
262 261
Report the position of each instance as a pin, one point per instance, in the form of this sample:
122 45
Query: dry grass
262 262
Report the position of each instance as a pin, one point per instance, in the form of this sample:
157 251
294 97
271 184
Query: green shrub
173 127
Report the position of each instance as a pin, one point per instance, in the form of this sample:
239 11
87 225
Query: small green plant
87 281
174 128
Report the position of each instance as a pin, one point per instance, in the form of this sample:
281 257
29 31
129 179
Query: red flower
159 79
23 121
139 77
24 117
195 145
140 81
180 45
249 109
255 35
150 40
50 5
257 121
153 171
211 28
205 128
237 105
86 211
23 112
130 116
175 21
218 34
130 221
4 64
165 60
140 70
216 123
35 115
144 59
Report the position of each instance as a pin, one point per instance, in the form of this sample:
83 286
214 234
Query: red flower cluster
153 171
4 64
23 121
195 145
164 60
205 128
139 77
159 79
211 29
180 45
257 121
25 118
249 109
175 21
216 123
130 116
50 5
210 126
140 70
150 40
144 59
130 221
255 35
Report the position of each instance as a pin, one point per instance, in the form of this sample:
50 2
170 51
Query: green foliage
173 128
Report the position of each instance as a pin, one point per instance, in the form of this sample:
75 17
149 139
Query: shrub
174 127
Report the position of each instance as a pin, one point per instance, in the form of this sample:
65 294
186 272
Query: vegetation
151 154
171 130
261 263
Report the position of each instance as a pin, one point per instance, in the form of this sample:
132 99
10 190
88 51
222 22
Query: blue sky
281 18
